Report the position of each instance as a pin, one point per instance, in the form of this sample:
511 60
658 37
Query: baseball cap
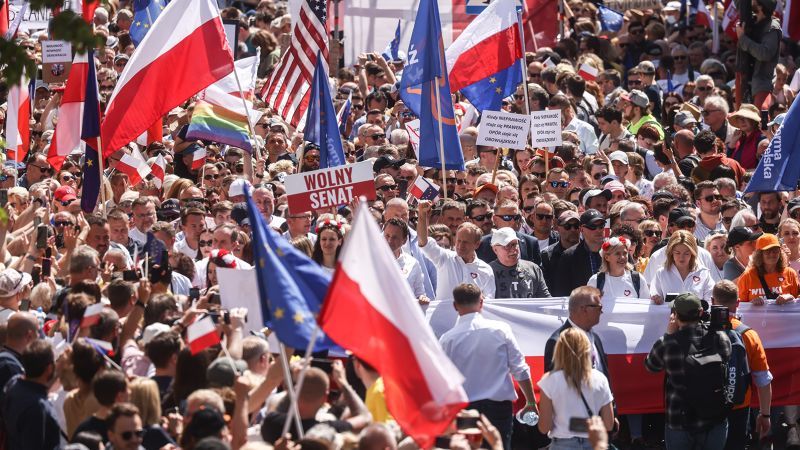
153 330
646 67
591 193
615 186
386 161
488 186
619 156
737 235
65 194
684 119
504 236
662 194
793 204
13 282
568 215
678 215
778 120
767 241
169 210
590 216
638 98
238 186
221 374
239 213
687 305
121 56
206 421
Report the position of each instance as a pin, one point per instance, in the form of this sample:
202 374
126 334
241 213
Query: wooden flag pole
300 378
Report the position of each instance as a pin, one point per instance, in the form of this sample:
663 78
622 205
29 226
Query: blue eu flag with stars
321 126
291 286
145 13
90 133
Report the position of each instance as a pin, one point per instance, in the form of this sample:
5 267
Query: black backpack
706 374
635 279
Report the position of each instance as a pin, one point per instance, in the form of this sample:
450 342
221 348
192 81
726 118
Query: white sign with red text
331 187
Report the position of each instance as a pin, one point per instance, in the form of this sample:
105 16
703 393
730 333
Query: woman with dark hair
218 258
190 375
330 238
522 161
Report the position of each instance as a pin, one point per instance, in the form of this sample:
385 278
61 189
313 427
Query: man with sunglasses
125 428
480 213
38 169
568 227
557 182
507 214
580 262
540 220
708 200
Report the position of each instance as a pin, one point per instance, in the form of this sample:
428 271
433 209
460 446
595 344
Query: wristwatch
140 304
763 415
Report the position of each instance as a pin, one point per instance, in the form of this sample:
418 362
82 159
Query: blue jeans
574 443
500 414
713 439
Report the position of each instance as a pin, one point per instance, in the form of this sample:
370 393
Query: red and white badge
696 279
627 292
474 275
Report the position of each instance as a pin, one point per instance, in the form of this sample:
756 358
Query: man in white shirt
265 202
487 354
570 122
395 231
193 223
459 266
144 216
708 200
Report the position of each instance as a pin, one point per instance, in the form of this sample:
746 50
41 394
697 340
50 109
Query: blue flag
392 51
779 167
610 20
90 133
344 114
145 13
321 125
291 287
426 66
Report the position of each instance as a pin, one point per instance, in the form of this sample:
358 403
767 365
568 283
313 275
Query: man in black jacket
568 227
580 262
507 215
585 309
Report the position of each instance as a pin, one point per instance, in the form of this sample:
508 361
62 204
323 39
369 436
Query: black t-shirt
163 382
155 438
95 425
273 425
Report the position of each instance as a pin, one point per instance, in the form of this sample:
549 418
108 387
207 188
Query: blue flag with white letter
426 66
779 167
322 127
392 51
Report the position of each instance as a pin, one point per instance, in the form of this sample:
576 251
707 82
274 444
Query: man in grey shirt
514 278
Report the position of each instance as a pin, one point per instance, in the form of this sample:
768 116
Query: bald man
21 329
685 153
376 437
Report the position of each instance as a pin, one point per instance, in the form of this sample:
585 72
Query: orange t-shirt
756 358
781 283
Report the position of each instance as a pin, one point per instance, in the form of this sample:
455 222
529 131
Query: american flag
288 89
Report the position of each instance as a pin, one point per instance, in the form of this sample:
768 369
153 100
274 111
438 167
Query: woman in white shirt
681 273
573 389
616 277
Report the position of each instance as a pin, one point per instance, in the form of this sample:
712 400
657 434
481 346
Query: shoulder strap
585 403
767 291
742 329
636 280
601 280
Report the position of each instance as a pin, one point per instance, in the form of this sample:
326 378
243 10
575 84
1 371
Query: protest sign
413 135
546 128
331 187
56 61
501 129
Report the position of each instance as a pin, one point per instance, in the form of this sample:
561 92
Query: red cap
65 194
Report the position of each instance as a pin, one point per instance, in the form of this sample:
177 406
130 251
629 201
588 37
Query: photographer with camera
726 294
694 357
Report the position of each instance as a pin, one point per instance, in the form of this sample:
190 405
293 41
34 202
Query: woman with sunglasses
616 277
681 271
768 276
204 243
789 232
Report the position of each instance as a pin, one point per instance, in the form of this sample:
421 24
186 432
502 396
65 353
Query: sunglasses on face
571 226
239 168
711 198
458 181
378 136
62 224
43 169
482 217
128 435
544 216
508 217
202 243
311 157
703 88
555 184
594 226
728 220
528 209
679 57
211 176
387 187
652 233
634 82
599 175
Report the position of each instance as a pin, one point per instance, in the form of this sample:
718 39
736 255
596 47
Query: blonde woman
789 232
651 236
716 244
573 389
616 277
681 272
144 394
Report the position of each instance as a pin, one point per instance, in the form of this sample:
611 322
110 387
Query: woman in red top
747 119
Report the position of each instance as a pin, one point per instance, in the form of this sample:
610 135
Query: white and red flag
67 135
199 158
18 116
184 52
423 388
154 133
201 335
159 168
587 72
791 20
134 165
91 316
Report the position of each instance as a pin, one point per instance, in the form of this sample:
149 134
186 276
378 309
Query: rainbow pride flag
211 122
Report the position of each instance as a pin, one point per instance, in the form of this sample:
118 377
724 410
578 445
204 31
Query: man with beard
480 213
540 220
771 204
708 200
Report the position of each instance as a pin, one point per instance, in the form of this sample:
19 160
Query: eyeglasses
357 106
211 176
43 169
544 216
202 243
652 233
634 82
711 198
63 224
599 175
555 184
528 209
239 168
679 57
600 307
378 136
458 181
311 157
66 202
508 217
727 220
703 88
128 435
518 97
571 226
67 178
387 187
482 217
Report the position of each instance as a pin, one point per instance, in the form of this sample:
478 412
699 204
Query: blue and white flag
610 20
392 51
779 167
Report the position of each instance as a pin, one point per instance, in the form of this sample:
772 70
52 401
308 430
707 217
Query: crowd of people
645 199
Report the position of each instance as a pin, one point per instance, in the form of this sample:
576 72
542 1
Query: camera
718 318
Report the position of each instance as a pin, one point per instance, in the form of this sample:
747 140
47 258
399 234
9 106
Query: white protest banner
413 135
239 289
506 130
31 20
56 61
331 187
546 128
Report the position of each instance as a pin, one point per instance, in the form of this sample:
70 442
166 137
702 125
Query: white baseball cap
504 236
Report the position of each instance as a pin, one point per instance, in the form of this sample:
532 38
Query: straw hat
748 111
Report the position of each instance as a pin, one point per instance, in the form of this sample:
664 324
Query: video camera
716 316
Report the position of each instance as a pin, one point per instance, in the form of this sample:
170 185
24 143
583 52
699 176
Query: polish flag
4 15
729 21
158 168
134 165
199 158
201 335
183 53
703 16
155 133
18 116
423 388
587 72
67 135
92 315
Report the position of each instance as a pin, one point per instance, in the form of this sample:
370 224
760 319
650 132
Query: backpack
738 379
706 374
635 279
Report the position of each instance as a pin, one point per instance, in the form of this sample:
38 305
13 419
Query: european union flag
343 115
779 167
610 20
321 124
291 286
145 13
90 133
392 51
425 66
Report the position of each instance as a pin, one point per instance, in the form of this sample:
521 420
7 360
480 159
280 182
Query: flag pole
248 162
287 374
522 63
715 31
300 378
102 177
441 137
